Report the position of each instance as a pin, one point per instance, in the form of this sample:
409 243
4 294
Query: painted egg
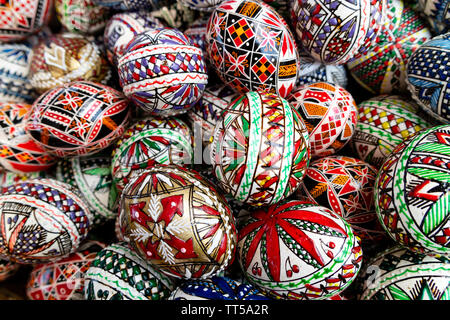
400 274
20 153
7 269
260 149
161 72
118 273
21 18
252 48
91 175
66 57
15 63
383 123
78 118
43 220
133 5
178 222
343 184
122 28
330 114
311 71
62 279
383 68
333 32
81 16
216 288
412 191
427 77
206 113
298 250
150 141
436 13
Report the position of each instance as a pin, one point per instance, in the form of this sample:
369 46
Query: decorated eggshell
7 269
64 58
118 273
207 111
298 250
81 16
436 13
427 77
330 114
311 71
341 183
412 191
62 279
383 68
15 62
8 178
92 176
19 152
161 72
150 141
122 28
260 149
383 123
78 118
43 220
216 288
252 48
202 5
178 222
196 32
21 18
333 32
176 15
400 274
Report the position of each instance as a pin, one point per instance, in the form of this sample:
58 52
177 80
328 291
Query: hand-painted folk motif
78 118
41 220
260 149
412 191
252 48
298 250
330 114
178 222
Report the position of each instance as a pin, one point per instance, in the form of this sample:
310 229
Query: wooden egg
162 72
19 152
427 77
42 220
252 48
15 63
178 222
382 69
400 274
118 273
67 57
333 32
62 279
329 112
78 118
22 18
298 250
150 141
216 288
383 123
260 149
412 192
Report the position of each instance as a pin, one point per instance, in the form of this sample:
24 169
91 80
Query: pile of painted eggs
225 150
